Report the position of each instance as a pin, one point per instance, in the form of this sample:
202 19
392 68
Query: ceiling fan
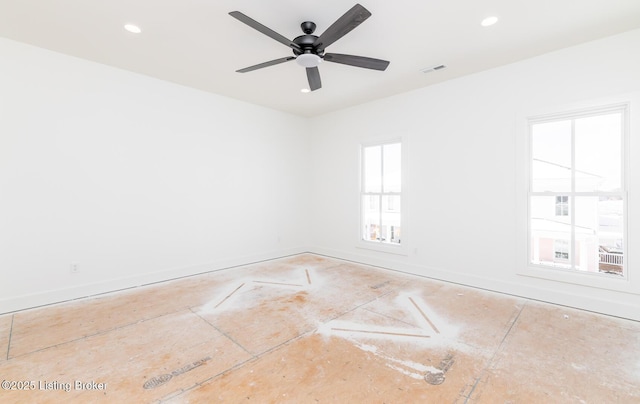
309 49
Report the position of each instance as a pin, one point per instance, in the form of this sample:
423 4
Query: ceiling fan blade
358 61
343 25
313 75
265 64
267 31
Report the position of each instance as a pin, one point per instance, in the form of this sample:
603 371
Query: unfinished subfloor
310 329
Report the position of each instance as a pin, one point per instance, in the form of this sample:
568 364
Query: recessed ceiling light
133 28
305 90
489 21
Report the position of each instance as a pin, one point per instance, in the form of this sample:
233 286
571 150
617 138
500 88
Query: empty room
319 202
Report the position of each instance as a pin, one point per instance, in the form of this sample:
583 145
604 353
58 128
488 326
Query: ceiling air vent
433 68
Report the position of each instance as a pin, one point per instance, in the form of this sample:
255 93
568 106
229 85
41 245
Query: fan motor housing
307 40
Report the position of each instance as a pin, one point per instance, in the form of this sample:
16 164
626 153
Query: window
561 249
562 205
577 194
381 193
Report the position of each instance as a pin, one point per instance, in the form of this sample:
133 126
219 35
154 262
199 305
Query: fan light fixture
308 60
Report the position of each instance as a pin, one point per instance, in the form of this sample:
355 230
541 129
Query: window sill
383 248
590 279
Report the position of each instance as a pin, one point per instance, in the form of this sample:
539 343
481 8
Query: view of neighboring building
576 204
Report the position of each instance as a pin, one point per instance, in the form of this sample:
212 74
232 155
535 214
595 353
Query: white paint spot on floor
432 329
409 368
368 348
406 372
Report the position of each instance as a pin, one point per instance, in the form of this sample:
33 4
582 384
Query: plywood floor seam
512 323
311 329
10 334
221 332
84 336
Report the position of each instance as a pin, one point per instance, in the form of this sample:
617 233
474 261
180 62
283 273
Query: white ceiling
197 44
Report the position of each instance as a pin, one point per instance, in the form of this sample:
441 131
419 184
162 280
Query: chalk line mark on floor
419 331
228 296
424 316
268 282
380 332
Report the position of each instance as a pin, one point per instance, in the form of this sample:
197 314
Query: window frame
402 247
626 283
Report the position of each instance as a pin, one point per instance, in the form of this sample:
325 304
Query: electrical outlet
74 268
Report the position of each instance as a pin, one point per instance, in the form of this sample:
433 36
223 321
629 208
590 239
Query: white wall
138 180
134 179
465 163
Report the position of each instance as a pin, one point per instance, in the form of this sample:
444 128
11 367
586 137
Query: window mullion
363 176
382 189
572 199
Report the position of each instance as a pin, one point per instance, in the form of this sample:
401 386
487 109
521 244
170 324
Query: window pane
392 167
550 234
598 153
391 219
551 151
561 249
562 206
599 234
371 217
373 169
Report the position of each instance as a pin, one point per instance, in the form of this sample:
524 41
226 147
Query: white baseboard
586 301
29 301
